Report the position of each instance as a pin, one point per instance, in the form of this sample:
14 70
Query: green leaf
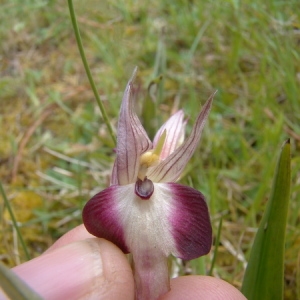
264 274
216 247
14 287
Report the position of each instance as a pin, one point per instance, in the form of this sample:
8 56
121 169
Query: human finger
202 288
87 269
76 234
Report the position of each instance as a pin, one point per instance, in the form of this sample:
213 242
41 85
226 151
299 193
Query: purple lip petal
190 222
132 138
170 169
174 220
175 127
101 217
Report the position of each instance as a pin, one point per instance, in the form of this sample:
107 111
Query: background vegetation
55 151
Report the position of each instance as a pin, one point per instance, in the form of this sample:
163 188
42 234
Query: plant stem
88 71
14 221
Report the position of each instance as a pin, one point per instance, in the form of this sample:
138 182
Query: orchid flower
144 211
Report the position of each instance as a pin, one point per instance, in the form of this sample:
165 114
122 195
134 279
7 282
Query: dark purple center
144 188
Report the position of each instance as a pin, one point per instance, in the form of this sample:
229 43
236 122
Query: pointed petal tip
133 76
174 127
209 101
132 139
170 169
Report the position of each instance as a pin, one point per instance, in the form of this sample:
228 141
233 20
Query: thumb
87 269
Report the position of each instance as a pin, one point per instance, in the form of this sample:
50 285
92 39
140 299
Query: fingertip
89 269
202 288
118 281
76 234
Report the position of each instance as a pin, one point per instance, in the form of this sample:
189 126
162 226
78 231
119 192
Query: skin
80 266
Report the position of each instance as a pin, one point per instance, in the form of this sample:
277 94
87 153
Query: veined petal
133 224
191 228
175 128
145 225
132 140
174 220
101 217
170 169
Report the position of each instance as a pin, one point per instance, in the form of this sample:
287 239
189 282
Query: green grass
51 125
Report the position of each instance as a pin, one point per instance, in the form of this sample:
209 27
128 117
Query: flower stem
151 275
88 71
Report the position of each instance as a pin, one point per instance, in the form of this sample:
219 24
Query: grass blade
298 278
88 71
14 221
14 287
216 247
264 274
